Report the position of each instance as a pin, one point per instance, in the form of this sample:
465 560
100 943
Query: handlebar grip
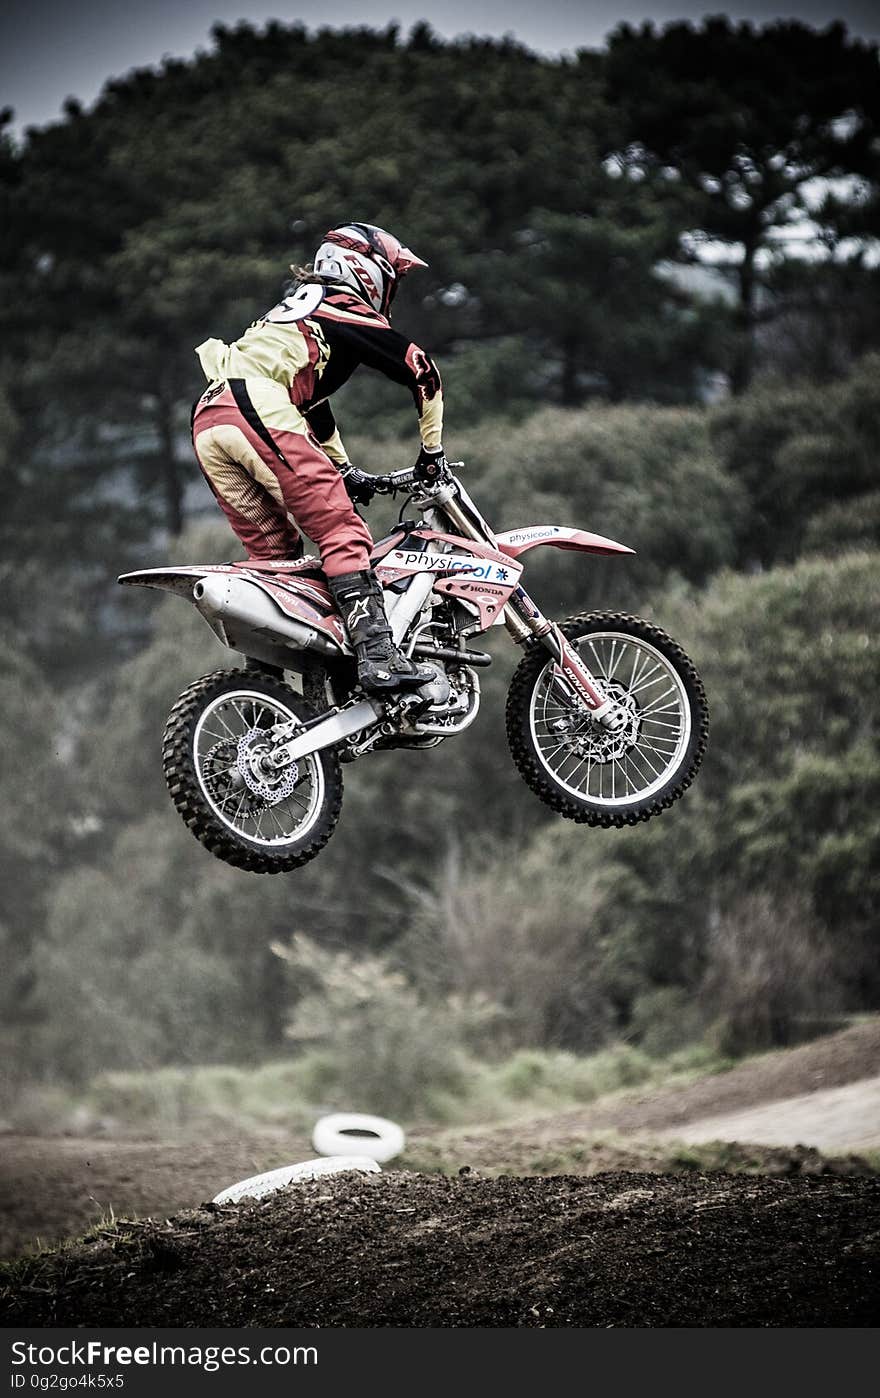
396 480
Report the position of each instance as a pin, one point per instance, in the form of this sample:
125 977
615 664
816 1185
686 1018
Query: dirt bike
606 716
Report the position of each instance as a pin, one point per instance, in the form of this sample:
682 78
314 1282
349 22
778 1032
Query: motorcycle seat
309 566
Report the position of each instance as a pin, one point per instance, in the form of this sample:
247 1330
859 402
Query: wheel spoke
212 733
599 665
647 761
652 747
644 680
304 805
656 706
240 713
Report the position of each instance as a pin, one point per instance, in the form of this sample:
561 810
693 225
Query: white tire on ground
353 1133
258 1185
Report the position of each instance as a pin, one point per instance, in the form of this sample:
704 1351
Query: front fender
558 536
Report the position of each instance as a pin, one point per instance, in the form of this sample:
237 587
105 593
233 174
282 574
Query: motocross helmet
368 260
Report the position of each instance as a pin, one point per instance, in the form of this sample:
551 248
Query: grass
13 1270
607 1151
291 1094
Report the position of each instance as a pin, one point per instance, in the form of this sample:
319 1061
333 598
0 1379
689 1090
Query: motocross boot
381 665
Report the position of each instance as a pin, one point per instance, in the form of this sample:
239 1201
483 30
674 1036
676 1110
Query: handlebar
394 480
399 480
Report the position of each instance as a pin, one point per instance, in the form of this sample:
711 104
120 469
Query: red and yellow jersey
312 342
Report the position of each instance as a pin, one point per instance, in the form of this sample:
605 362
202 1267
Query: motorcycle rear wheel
579 769
211 749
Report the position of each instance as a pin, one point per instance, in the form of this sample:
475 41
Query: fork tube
524 620
457 516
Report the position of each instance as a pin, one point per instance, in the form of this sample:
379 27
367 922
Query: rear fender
266 617
558 536
180 580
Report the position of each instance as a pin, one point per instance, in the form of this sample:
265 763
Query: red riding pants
270 477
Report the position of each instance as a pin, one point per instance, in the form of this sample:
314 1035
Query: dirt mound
414 1250
52 1188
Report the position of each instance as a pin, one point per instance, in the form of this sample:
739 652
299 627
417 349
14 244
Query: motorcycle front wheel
580 769
247 815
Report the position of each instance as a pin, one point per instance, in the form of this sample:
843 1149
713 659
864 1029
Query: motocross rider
268 445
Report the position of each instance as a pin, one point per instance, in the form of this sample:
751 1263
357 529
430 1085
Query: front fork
523 621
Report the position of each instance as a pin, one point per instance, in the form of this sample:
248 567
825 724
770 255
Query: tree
741 121
39 836
587 293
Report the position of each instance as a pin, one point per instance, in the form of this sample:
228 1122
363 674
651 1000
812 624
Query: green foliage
101 950
666 1018
201 1099
391 1051
820 317
540 1077
474 931
586 292
845 524
798 453
769 968
38 836
290 1094
647 477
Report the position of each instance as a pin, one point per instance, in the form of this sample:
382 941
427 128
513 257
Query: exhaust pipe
238 612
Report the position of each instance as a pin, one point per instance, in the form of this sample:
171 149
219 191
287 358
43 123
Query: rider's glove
430 465
358 484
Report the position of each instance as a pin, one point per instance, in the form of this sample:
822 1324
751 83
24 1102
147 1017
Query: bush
798 451
664 1019
520 935
535 1076
845 524
769 967
386 1048
221 1097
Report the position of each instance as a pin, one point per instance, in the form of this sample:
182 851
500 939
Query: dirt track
838 1118
56 1187
589 1246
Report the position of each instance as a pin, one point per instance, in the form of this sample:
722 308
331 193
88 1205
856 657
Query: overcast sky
51 50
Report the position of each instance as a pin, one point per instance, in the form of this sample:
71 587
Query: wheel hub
270 786
220 770
599 743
